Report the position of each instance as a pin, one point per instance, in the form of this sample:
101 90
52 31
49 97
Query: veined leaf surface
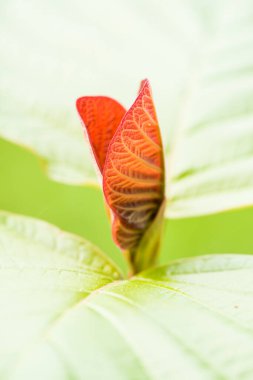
133 175
60 304
80 51
211 165
208 62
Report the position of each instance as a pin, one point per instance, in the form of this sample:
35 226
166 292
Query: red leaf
101 117
133 174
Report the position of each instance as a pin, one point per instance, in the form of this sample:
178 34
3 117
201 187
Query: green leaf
212 161
64 317
43 274
202 87
52 53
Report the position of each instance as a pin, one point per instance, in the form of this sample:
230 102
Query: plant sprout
128 150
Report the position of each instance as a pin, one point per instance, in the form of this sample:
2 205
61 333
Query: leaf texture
211 165
207 63
42 73
101 117
60 304
133 176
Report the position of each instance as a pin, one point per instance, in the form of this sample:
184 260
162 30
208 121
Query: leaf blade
45 120
211 164
133 175
158 314
101 117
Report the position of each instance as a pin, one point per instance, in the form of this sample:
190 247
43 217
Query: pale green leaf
43 274
198 57
52 52
211 165
62 316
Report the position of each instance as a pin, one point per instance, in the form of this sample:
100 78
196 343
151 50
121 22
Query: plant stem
145 255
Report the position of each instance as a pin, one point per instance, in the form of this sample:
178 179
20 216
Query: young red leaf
133 175
128 149
101 117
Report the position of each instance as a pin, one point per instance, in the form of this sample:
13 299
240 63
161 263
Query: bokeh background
26 190
55 51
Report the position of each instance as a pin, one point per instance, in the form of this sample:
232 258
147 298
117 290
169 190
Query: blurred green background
25 189
83 52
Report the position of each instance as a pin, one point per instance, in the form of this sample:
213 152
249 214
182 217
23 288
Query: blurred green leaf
51 53
64 317
78 209
202 87
211 164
